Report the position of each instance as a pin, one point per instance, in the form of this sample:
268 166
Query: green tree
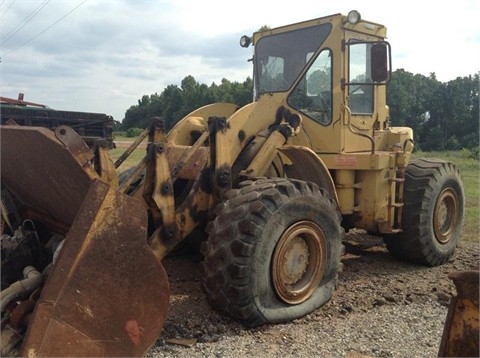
463 106
136 115
175 102
454 115
442 115
409 97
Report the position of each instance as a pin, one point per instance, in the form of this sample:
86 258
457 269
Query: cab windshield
279 59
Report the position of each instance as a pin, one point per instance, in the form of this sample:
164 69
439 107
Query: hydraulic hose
32 280
350 127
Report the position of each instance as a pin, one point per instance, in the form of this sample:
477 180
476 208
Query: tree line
175 102
443 115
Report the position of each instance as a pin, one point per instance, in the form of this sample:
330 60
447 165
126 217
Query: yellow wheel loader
274 185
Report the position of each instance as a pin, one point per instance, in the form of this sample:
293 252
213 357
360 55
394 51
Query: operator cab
300 59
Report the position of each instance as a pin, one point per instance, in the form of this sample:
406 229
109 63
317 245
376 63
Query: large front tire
273 252
433 213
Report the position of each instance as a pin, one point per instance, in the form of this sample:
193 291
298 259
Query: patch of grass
120 136
470 171
134 158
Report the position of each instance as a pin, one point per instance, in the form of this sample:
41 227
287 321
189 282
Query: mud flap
107 294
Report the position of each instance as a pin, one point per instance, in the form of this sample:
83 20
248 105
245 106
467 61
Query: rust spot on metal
134 332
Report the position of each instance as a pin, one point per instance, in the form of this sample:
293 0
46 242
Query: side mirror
380 61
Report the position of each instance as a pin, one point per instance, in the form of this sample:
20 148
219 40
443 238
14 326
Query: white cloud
106 55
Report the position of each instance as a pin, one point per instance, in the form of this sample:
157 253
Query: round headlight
353 17
245 41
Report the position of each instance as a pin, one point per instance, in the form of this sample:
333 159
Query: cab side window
360 88
272 76
313 94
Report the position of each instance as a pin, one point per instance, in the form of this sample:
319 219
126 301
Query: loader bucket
106 294
50 180
461 330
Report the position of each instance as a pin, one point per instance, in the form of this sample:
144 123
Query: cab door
364 90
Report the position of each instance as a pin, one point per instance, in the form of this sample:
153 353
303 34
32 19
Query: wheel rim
299 262
445 215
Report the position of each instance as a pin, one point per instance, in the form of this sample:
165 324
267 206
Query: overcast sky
102 56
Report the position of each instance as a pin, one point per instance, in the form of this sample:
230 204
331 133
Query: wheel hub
445 215
295 260
299 262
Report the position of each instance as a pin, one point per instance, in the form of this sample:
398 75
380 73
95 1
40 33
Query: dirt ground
371 279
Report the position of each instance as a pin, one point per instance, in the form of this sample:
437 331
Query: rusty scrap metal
107 294
461 332
38 168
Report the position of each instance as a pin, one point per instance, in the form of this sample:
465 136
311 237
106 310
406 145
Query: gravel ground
383 307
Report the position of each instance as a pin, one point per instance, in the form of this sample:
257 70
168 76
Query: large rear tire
433 213
273 252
